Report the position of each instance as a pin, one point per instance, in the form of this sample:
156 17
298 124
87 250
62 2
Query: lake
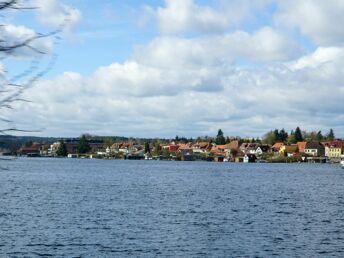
101 208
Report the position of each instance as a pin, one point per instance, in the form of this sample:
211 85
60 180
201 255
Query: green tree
157 149
330 135
83 145
147 148
298 135
291 138
283 135
319 136
108 141
269 138
62 150
276 135
220 139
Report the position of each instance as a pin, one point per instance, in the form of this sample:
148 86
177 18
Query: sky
181 67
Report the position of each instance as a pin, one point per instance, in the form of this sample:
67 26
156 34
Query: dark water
92 208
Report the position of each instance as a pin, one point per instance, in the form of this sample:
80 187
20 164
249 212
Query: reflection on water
93 208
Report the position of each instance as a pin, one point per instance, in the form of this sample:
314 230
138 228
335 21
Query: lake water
99 208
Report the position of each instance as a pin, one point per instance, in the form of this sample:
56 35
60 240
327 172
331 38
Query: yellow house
334 150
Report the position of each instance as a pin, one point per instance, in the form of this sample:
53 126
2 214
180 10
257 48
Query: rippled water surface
95 208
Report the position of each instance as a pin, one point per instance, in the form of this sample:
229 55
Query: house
171 147
249 147
124 147
250 158
96 147
301 146
201 147
53 148
72 147
234 145
262 149
33 150
277 146
185 149
243 147
315 149
239 157
334 149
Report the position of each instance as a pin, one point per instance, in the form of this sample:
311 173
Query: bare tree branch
12 88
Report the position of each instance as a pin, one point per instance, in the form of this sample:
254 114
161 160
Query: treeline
15 142
296 135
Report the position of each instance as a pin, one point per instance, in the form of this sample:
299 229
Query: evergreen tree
83 146
220 139
298 135
319 136
330 135
283 135
276 135
62 150
228 140
147 148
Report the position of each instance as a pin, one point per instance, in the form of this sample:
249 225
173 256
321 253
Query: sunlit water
98 208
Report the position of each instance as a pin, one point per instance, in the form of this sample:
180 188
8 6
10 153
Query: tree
108 141
220 139
13 85
276 135
291 138
319 136
62 150
283 135
157 149
83 145
298 135
147 148
330 135
269 138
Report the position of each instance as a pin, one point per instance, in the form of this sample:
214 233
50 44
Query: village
235 150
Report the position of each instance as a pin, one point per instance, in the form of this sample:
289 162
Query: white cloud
183 15
195 85
216 50
140 100
55 13
178 16
321 56
320 20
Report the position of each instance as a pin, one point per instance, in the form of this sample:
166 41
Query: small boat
342 163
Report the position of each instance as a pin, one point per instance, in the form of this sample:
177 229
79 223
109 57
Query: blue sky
186 67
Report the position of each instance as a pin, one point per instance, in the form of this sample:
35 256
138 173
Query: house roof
264 148
277 145
336 144
301 146
234 145
313 145
183 146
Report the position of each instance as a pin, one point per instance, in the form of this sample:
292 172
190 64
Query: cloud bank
207 70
